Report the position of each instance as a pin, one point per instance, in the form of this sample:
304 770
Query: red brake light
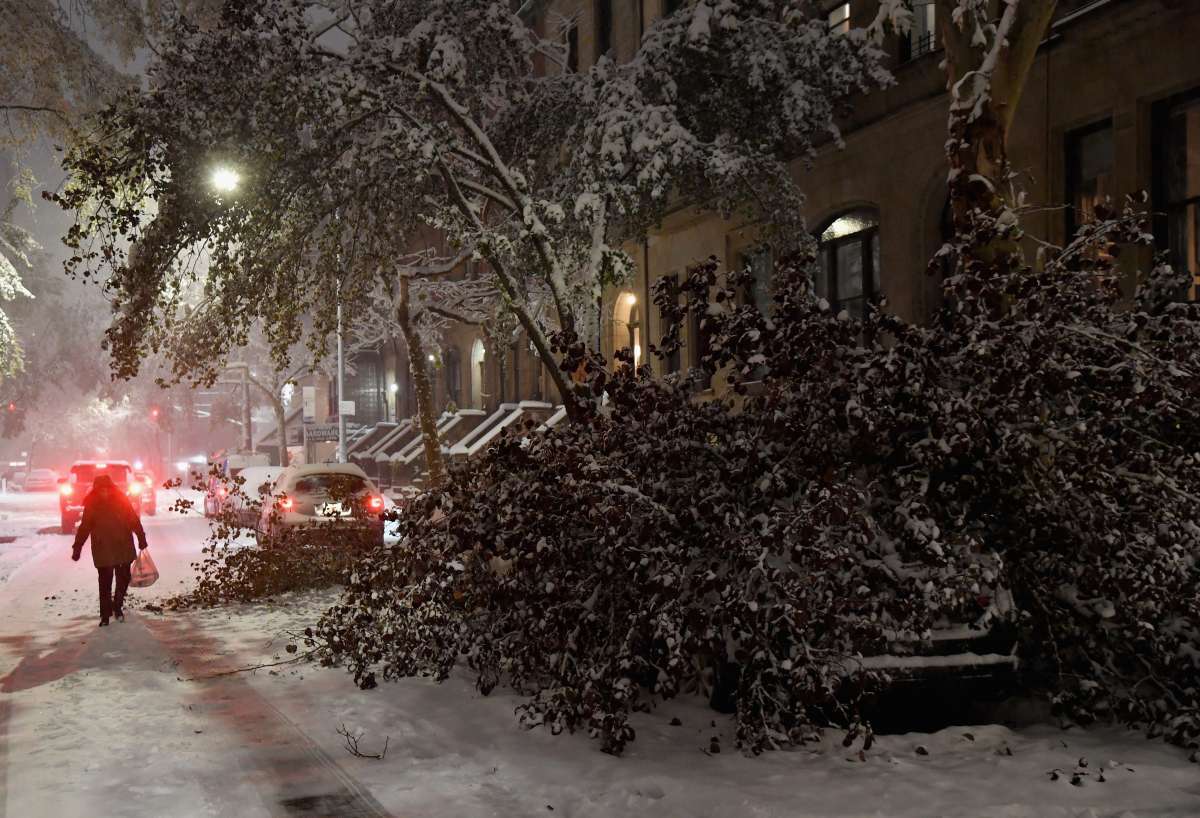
286 503
135 488
66 489
375 504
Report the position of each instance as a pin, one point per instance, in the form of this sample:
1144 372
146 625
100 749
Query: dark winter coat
111 522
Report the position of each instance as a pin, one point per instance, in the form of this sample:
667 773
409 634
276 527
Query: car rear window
330 483
86 472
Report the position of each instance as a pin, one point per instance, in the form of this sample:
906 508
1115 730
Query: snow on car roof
293 473
257 475
261 472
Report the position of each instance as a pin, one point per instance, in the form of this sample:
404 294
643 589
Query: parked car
323 496
952 672
148 494
73 488
216 494
41 480
258 482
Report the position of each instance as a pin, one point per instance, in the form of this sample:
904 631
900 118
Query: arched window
478 356
627 326
849 276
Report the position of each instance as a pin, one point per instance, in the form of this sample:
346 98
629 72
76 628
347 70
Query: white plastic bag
144 572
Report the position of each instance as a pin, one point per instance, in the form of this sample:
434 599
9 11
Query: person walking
109 519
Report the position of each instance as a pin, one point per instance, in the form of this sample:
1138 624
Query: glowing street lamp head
225 179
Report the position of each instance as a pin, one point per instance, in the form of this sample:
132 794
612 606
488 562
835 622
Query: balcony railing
918 45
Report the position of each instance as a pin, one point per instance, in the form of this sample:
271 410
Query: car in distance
257 484
73 488
220 471
41 480
146 493
335 498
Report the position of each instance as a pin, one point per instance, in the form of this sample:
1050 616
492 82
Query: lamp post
225 180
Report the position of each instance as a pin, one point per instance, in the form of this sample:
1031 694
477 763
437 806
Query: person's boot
119 614
103 623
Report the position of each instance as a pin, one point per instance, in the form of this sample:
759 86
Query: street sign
309 397
347 408
321 432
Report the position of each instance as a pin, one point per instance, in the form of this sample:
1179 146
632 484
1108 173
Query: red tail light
375 504
66 489
287 503
135 488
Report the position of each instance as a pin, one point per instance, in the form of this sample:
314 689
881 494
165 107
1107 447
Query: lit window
849 274
1089 173
839 19
922 36
627 326
1178 183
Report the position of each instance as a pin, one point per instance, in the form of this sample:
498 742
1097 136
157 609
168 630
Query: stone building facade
1112 107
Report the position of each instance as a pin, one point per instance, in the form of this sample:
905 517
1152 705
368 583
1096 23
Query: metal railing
918 45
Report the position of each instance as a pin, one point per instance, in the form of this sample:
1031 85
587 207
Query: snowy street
123 722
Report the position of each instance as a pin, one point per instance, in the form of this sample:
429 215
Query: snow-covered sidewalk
452 751
135 720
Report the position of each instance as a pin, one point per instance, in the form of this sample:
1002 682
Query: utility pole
341 377
244 382
247 435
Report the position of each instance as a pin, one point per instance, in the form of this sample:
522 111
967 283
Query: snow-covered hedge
1043 415
596 568
599 567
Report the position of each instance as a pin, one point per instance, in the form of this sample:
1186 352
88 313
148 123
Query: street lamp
225 179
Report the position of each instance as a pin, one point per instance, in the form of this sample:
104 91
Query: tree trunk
281 428
986 76
420 375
